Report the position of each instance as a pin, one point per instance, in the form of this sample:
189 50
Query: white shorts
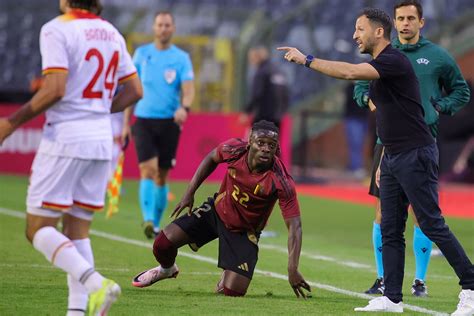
73 211
57 183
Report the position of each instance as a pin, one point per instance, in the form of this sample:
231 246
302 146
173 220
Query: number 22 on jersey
240 197
93 89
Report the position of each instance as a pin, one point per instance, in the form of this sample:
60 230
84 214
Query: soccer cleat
419 288
381 304
101 300
148 230
149 277
377 288
466 304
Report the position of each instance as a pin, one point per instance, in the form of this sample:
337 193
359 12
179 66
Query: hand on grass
298 283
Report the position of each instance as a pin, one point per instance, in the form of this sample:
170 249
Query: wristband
309 60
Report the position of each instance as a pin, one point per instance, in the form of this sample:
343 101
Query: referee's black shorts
378 151
156 138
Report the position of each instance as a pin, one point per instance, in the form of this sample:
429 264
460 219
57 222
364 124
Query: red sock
229 292
164 250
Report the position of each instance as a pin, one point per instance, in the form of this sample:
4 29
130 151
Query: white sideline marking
351 264
48 266
51 267
326 287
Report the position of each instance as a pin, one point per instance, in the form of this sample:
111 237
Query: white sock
78 295
62 253
166 270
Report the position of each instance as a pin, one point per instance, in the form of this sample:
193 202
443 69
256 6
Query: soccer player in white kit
84 58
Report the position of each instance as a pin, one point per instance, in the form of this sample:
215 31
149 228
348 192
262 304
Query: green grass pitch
337 260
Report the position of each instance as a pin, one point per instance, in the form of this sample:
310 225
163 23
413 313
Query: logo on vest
422 61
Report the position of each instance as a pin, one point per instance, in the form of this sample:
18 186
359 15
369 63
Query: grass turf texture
336 235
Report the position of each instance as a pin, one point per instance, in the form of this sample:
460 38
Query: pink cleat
149 277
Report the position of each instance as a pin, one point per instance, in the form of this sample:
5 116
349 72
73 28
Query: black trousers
411 177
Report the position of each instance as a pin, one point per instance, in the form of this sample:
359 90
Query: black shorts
156 138
238 251
374 189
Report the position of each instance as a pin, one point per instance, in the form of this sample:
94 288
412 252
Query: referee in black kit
409 168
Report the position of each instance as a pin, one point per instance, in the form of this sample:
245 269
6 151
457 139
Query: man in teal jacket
436 71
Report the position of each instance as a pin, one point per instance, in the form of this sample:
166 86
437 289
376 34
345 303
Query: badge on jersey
259 189
170 75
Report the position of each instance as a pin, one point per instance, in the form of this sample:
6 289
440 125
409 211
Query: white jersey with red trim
94 55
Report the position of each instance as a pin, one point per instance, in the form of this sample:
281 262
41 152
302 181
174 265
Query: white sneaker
381 304
466 304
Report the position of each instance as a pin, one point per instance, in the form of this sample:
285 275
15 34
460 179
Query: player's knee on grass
234 284
230 292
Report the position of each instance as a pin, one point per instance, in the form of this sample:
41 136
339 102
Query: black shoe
419 288
148 230
377 288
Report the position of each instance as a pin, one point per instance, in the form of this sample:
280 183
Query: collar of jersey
408 47
82 14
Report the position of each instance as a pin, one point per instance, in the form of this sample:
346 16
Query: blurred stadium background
218 35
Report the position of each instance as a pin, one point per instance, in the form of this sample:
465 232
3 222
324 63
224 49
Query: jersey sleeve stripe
127 77
51 70
88 207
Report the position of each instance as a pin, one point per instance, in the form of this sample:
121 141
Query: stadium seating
325 29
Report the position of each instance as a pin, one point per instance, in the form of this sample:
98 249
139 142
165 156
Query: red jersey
246 199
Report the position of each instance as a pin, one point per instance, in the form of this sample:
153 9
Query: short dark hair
165 12
405 3
265 126
380 18
89 5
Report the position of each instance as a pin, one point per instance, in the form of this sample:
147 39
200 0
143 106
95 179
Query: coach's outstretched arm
207 166
335 69
295 236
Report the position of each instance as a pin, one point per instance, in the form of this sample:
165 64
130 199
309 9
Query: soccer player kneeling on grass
256 178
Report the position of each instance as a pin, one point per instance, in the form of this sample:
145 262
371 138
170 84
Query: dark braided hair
90 5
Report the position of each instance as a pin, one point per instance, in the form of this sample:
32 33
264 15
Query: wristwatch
309 60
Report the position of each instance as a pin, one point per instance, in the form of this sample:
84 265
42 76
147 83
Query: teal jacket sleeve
456 88
361 93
